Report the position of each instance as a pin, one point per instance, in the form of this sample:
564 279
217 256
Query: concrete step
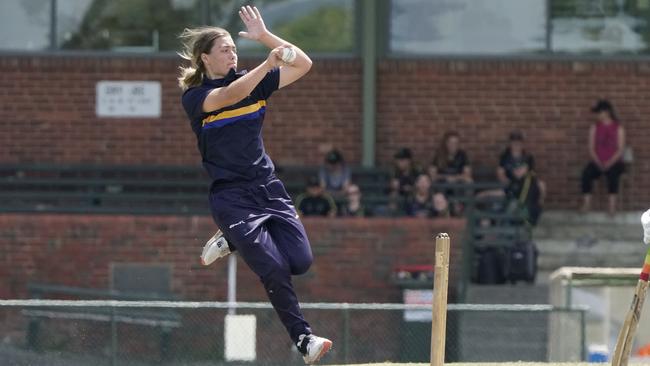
594 253
565 225
570 238
576 217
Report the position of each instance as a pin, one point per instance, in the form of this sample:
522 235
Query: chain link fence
134 333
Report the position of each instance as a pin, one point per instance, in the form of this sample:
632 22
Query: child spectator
315 201
439 206
418 203
353 206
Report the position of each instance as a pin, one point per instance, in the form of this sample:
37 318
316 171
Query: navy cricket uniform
248 202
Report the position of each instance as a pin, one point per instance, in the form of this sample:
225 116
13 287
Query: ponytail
196 41
189 77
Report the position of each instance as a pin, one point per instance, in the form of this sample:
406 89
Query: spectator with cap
401 183
404 173
606 148
334 174
315 201
514 155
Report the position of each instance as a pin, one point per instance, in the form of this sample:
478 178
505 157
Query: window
600 26
314 25
483 27
123 25
154 25
25 25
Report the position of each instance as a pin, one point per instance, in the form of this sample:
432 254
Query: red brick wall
354 258
417 102
47 113
548 100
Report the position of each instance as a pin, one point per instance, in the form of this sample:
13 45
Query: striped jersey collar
229 78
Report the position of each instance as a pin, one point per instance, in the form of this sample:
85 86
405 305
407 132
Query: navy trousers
261 223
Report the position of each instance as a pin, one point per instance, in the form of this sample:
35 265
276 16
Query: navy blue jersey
230 138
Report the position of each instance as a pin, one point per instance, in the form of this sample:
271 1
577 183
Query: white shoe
215 248
314 349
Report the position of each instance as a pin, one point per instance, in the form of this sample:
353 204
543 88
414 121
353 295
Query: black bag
521 262
489 266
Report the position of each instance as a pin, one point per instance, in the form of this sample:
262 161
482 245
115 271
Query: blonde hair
196 41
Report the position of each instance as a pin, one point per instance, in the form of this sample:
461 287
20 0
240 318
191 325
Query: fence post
113 338
583 331
346 333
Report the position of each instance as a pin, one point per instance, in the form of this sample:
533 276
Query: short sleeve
193 99
268 85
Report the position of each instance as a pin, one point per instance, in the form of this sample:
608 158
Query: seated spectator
404 173
315 201
353 207
524 193
440 206
514 155
606 147
418 203
450 164
401 183
334 174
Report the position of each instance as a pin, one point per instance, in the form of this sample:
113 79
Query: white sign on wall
128 99
417 297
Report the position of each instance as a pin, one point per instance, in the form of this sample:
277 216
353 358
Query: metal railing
110 332
106 189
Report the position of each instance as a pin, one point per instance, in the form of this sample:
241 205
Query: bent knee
301 265
275 275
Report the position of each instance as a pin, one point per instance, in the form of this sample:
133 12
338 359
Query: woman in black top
450 164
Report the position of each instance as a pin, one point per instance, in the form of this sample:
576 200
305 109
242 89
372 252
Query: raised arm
240 88
256 31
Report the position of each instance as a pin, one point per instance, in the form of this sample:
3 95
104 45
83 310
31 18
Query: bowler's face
222 56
